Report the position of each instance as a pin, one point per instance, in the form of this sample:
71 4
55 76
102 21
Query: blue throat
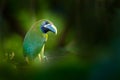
44 30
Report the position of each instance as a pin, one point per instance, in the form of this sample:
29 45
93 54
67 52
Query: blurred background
87 46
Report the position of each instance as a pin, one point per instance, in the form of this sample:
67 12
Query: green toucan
35 39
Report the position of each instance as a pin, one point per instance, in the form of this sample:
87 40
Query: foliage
87 46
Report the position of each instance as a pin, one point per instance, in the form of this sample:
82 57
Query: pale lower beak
52 28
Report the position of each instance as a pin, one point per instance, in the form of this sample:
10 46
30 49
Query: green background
87 46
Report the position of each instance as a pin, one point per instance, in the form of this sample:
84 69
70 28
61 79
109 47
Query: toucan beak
52 28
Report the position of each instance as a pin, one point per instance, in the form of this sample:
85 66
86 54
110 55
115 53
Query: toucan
35 39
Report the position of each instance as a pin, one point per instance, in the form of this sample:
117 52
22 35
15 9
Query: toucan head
48 26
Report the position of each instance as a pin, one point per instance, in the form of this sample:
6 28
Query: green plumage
34 41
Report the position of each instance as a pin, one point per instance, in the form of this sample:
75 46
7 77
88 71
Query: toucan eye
45 22
43 26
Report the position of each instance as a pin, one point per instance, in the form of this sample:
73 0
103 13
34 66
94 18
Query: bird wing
34 41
